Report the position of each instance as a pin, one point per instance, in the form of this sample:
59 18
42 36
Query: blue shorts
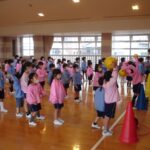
19 102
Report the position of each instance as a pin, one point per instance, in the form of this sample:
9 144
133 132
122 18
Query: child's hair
10 61
131 63
122 59
42 57
25 66
58 61
77 59
40 64
56 72
101 81
63 60
51 66
141 59
18 61
65 65
147 58
89 63
103 59
96 67
6 61
107 75
83 58
75 66
31 76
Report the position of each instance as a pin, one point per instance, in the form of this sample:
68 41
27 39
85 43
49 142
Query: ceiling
61 16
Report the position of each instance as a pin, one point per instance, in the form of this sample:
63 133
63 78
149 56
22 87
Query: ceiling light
135 7
41 14
76 1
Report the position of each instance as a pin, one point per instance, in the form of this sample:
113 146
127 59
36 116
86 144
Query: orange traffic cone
129 130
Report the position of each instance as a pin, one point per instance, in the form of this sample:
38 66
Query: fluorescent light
135 7
76 1
41 14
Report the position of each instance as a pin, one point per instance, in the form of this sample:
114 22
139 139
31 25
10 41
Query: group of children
27 81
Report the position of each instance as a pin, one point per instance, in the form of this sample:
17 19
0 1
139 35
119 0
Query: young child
50 73
42 74
18 66
19 95
90 72
65 77
57 95
34 94
2 94
99 103
98 74
26 69
84 67
58 64
111 97
77 81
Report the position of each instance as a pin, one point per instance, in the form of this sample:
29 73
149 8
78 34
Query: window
130 45
28 46
76 45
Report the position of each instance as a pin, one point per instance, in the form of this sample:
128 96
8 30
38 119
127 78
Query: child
42 74
34 94
26 69
98 74
90 72
77 81
2 94
111 97
59 64
84 67
19 95
18 66
65 77
99 103
57 95
50 73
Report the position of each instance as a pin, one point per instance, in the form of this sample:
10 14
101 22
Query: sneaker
19 115
77 101
28 116
4 110
40 117
96 126
33 124
57 122
107 133
62 121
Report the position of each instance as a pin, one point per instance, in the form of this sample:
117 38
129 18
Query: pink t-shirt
89 71
42 74
111 89
18 67
57 92
34 93
96 78
24 82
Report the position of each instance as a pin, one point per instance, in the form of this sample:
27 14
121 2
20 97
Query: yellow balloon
122 73
135 55
109 62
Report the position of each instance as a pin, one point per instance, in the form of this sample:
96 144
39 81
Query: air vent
59 20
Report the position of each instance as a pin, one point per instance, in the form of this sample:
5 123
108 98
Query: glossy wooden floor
75 134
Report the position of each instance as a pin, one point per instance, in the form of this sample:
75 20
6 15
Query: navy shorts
19 102
90 77
66 86
136 88
110 110
58 106
35 108
2 94
77 88
100 114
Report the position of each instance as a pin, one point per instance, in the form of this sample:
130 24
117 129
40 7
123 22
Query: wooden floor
76 133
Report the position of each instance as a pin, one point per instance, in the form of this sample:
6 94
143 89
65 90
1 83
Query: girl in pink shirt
90 72
26 69
57 95
97 75
34 94
18 66
42 74
111 97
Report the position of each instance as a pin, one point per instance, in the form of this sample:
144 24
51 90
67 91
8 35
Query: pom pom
122 73
109 62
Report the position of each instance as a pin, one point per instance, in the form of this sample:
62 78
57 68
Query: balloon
135 55
122 73
109 62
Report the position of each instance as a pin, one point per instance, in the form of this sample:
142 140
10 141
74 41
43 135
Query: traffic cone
129 130
141 103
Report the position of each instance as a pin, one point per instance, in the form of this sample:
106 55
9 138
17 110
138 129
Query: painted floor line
103 137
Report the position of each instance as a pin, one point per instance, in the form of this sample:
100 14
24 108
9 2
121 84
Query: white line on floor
103 137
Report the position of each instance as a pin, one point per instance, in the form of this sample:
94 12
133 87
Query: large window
127 45
28 46
76 45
